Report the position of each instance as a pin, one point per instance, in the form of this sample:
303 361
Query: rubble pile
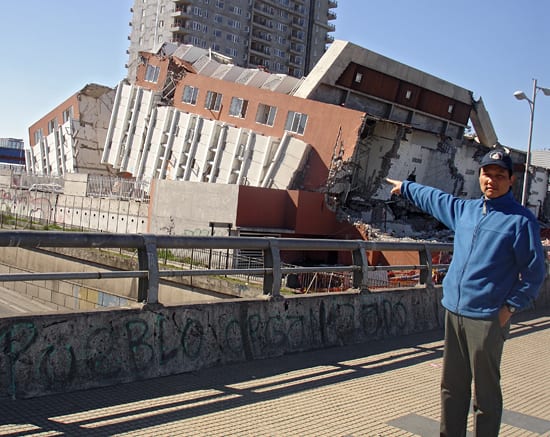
379 223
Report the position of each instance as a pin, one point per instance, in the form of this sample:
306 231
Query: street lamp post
520 95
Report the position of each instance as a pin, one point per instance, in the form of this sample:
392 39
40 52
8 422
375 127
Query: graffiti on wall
71 353
24 203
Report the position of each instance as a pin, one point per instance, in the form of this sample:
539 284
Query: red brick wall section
56 113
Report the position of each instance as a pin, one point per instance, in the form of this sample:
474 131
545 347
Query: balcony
182 12
260 49
297 35
264 10
180 38
300 9
331 15
294 72
179 28
298 22
293 62
278 5
296 49
329 39
256 60
332 4
263 23
262 36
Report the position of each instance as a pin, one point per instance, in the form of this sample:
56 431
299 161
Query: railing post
272 259
426 260
360 277
148 288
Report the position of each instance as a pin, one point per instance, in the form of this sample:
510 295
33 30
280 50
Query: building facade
188 117
70 138
281 36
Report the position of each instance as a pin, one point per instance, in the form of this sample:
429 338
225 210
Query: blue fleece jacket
498 257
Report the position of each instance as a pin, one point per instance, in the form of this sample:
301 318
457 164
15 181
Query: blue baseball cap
500 158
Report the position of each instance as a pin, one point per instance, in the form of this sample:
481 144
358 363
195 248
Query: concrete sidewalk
388 388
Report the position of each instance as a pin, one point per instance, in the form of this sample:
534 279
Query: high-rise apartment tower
282 36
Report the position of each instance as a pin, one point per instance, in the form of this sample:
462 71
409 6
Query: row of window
220 4
199 27
274 67
198 42
266 114
271 11
216 32
204 12
408 94
67 115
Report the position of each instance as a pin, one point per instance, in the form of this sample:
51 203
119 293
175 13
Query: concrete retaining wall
65 352
72 295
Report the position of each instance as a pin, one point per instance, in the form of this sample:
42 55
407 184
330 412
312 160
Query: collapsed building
270 154
356 119
70 138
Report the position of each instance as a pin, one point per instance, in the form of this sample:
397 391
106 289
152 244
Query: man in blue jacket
497 269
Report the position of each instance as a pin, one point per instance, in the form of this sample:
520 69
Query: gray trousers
473 350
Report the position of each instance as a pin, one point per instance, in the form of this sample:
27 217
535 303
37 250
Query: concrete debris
402 231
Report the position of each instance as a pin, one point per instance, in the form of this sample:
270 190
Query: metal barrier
26 181
272 271
117 188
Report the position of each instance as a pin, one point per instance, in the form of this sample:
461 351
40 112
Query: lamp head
546 91
520 95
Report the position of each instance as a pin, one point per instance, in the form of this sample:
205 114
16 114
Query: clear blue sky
491 47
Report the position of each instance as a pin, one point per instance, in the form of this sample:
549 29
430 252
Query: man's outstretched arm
396 186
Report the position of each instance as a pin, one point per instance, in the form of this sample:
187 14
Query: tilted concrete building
203 121
270 154
415 122
70 138
191 116
283 36
231 134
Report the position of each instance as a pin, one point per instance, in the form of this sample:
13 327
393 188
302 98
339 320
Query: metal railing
117 188
272 271
27 181
96 186
299 283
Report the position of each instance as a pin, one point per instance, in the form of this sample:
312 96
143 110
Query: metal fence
31 182
96 185
117 188
270 270
33 202
304 282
